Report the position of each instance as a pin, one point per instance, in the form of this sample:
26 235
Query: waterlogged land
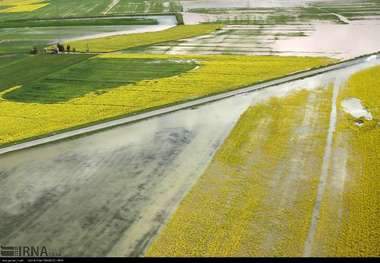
108 193
281 28
296 177
90 89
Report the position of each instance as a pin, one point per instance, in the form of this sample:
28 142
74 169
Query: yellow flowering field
256 197
349 221
14 6
215 74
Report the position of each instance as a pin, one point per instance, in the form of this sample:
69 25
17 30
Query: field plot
56 8
21 69
296 177
80 79
214 74
143 6
33 9
16 6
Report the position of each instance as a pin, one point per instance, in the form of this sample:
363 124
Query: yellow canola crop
14 6
256 197
215 74
349 222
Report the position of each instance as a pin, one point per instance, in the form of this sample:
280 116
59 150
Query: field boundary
168 108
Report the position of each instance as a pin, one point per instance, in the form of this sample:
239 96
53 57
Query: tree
61 47
68 48
34 50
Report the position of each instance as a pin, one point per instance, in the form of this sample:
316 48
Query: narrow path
110 6
343 19
324 173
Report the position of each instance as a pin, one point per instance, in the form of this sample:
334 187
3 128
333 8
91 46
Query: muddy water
340 41
350 39
108 193
190 4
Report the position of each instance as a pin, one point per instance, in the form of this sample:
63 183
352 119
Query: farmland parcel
96 88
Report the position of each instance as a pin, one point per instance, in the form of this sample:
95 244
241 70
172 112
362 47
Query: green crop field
21 69
98 74
61 8
143 6
82 8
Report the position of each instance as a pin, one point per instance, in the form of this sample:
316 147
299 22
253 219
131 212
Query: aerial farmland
189 128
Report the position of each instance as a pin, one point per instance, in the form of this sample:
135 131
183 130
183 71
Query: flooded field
304 28
109 193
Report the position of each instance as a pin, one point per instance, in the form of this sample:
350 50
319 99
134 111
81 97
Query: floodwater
336 40
350 38
164 22
315 39
108 193
192 4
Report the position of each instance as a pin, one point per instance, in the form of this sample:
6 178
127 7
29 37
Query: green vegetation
86 8
62 8
79 22
97 74
121 42
143 6
22 69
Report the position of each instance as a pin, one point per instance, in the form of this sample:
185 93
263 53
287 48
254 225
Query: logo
26 251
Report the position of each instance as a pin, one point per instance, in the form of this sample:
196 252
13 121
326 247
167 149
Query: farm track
112 5
153 113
